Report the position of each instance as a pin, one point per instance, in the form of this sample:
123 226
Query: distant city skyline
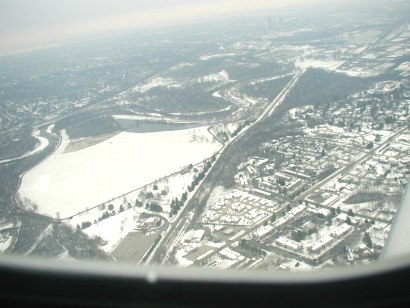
36 24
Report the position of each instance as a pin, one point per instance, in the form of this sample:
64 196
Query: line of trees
176 203
201 175
240 127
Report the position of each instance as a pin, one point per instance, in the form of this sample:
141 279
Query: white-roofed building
230 254
341 230
197 236
262 231
321 244
288 244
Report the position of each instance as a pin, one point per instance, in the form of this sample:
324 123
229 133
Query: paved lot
134 246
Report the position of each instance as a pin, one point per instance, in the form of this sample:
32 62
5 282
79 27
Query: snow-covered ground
262 80
216 79
404 68
219 55
181 65
115 228
201 112
362 72
50 129
329 65
156 82
42 143
221 77
139 116
67 183
357 72
5 240
150 117
334 65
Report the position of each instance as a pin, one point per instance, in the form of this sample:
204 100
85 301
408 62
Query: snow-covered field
335 66
114 229
156 82
329 65
221 77
67 183
219 55
261 80
218 78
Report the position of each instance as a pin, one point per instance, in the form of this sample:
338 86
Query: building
341 230
288 244
197 236
148 224
262 231
321 244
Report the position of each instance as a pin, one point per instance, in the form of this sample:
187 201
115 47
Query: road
202 193
320 184
44 142
200 196
351 165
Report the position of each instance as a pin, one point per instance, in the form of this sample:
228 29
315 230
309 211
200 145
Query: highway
198 200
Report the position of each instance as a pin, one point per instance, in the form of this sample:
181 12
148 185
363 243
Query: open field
66 183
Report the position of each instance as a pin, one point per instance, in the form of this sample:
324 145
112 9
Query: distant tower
270 22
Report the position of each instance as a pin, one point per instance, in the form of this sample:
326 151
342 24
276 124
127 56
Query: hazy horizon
28 24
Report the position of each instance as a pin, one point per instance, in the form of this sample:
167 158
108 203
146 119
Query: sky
25 23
